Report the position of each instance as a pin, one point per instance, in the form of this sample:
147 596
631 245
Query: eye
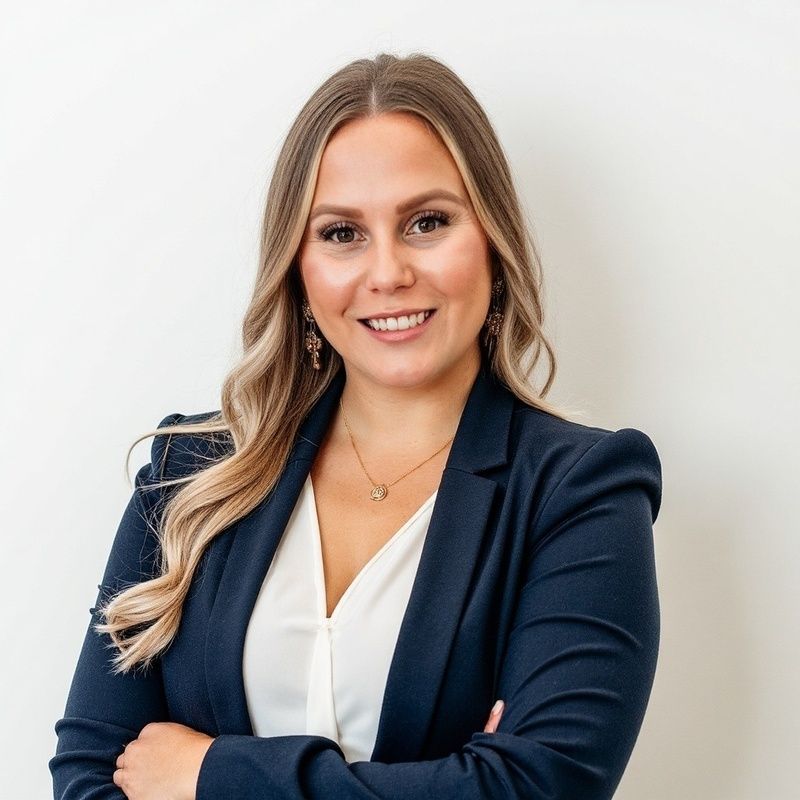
332 230
328 233
438 216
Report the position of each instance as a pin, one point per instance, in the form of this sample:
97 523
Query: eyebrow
433 194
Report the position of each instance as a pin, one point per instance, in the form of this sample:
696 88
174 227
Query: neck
405 419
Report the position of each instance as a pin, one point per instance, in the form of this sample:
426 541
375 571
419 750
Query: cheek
326 283
466 275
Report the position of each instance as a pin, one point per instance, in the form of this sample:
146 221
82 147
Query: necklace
381 490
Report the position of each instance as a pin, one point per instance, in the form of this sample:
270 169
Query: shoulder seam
561 480
164 457
172 420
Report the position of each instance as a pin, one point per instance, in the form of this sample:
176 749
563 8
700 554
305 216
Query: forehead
384 159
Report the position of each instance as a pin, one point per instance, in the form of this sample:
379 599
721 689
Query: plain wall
655 148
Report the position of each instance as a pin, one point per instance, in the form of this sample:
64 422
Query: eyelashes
326 234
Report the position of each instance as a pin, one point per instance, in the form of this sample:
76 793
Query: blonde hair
269 392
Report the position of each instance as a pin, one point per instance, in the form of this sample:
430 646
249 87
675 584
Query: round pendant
378 492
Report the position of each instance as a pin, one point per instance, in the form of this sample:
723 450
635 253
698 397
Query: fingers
120 758
494 717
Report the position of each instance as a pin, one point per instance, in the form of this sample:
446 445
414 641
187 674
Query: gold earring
313 342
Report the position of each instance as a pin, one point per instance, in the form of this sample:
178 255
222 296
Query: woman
322 589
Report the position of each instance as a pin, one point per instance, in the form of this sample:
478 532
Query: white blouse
305 673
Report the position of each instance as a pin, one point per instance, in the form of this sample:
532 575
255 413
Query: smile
399 329
398 323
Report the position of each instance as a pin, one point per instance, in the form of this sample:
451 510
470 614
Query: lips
400 334
370 321
396 314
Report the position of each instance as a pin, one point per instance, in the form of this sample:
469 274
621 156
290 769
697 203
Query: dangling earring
494 320
312 341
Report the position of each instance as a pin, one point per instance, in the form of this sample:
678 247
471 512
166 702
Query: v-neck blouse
306 673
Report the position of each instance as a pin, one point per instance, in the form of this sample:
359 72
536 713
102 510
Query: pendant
379 492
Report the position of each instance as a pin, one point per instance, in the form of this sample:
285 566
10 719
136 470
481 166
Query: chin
400 375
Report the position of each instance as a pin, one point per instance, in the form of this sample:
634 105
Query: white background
655 146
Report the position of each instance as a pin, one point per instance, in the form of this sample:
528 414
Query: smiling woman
416 246
386 566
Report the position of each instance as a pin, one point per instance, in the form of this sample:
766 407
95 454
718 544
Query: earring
312 341
494 320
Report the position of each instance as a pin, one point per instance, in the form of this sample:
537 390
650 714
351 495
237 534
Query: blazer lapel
456 530
457 527
255 539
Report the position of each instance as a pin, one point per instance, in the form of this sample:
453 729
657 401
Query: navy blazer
536 585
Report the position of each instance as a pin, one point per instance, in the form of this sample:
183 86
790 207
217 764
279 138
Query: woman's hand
163 763
494 717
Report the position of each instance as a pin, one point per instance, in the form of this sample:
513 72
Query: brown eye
333 230
428 219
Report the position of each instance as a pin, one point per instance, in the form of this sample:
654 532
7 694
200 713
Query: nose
387 266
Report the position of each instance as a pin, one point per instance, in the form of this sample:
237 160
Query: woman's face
383 241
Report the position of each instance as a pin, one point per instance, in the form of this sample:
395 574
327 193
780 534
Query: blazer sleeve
576 673
105 711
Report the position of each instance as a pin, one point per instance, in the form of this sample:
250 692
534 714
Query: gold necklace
381 490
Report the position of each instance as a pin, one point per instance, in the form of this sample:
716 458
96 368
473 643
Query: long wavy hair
268 393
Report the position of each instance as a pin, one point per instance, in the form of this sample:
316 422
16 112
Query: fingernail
497 707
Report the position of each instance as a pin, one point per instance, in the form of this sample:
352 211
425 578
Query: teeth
398 323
